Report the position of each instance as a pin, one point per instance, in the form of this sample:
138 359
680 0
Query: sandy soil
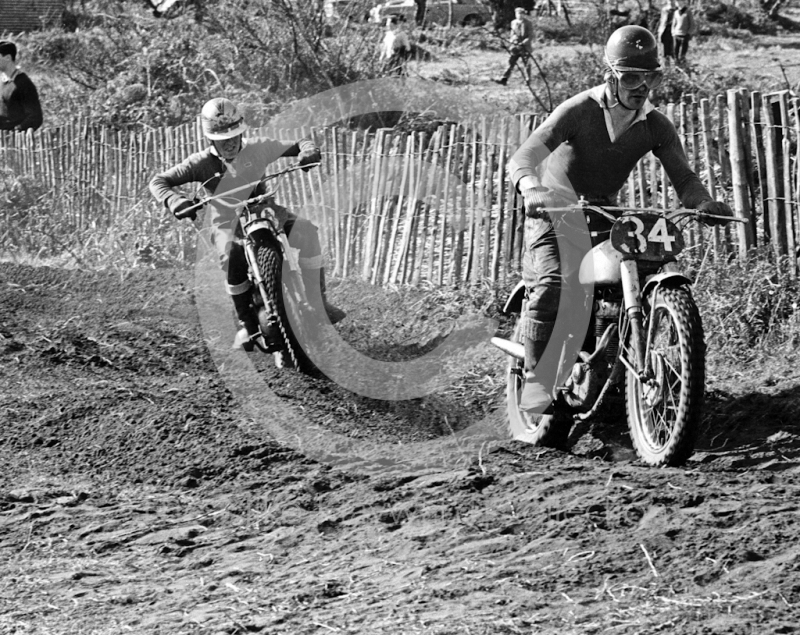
138 496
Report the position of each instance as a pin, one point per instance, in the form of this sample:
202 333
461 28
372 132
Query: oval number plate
646 237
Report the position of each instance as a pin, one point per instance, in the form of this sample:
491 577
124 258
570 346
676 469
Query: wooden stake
741 202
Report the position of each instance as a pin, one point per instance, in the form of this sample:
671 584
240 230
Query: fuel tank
601 265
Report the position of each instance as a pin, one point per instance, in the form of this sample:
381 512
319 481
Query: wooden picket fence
435 207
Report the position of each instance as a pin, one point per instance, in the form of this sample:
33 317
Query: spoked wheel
665 407
549 430
286 297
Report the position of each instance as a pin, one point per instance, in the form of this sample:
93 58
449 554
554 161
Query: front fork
632 293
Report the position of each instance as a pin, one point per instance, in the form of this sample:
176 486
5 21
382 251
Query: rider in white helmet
227 163
591 143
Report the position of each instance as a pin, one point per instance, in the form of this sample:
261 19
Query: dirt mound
139 495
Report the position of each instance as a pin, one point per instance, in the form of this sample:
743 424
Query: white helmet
220 119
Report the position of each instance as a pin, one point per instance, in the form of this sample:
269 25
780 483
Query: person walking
682 30
19 100
395 49
665 37
587 147
522 36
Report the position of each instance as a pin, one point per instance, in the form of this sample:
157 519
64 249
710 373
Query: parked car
356 10
465 12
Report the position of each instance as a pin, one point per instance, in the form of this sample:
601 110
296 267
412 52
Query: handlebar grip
189 212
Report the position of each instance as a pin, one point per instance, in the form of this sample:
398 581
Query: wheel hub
653 388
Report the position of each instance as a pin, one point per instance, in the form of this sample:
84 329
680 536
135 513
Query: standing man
19 101
682 30
522 34
665 30
395 48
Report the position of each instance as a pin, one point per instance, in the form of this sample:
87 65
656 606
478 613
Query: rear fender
515 299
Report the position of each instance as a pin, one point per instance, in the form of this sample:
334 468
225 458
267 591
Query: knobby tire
664 416
270 264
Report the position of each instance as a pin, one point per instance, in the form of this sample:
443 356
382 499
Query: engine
591 371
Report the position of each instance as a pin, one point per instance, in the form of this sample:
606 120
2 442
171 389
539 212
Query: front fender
258 225
515 299
666 279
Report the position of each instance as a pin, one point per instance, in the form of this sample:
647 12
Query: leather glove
307 157
180 207
536 198
717 208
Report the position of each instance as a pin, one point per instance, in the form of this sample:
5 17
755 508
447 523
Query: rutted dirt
137 495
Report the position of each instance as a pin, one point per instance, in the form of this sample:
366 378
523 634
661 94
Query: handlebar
220 198
606 212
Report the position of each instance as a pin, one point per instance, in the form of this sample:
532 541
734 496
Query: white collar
598 94
7 78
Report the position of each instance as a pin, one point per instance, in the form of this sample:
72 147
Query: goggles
631 80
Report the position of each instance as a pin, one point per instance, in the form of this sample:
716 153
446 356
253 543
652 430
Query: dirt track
137 496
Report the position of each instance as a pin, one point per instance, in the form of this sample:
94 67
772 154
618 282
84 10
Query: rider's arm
198 168
687 184
300 147
522 167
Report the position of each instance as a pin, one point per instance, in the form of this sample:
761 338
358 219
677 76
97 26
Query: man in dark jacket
19 100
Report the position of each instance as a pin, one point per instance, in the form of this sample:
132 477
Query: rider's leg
304 236
542 276
239 288
232 261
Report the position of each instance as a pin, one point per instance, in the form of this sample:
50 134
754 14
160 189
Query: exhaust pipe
515 349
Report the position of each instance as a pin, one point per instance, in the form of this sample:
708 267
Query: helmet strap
614 84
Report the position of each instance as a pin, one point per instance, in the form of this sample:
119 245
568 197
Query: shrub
130 68
749 308
733 17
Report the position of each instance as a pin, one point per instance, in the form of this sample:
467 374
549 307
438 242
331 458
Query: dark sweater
19 103
576 143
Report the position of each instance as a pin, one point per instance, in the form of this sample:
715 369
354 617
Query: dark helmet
632 48
221 119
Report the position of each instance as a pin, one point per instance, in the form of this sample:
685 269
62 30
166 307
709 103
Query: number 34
659 233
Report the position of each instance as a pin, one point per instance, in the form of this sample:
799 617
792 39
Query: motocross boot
248 322
535 398
314 282
273 340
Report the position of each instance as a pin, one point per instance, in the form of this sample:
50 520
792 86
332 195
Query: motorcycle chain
286 343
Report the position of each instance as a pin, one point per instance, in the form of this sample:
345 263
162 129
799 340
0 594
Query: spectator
395 49
522 34
682 30
19 101
665 30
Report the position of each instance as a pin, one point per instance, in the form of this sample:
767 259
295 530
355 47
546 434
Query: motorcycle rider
226 164
587 147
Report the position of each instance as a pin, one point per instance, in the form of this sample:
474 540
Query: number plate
647 237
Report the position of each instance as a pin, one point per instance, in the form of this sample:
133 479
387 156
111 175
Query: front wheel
665 406
281 291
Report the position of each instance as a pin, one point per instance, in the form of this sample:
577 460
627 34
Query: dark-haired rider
228 163
591 143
